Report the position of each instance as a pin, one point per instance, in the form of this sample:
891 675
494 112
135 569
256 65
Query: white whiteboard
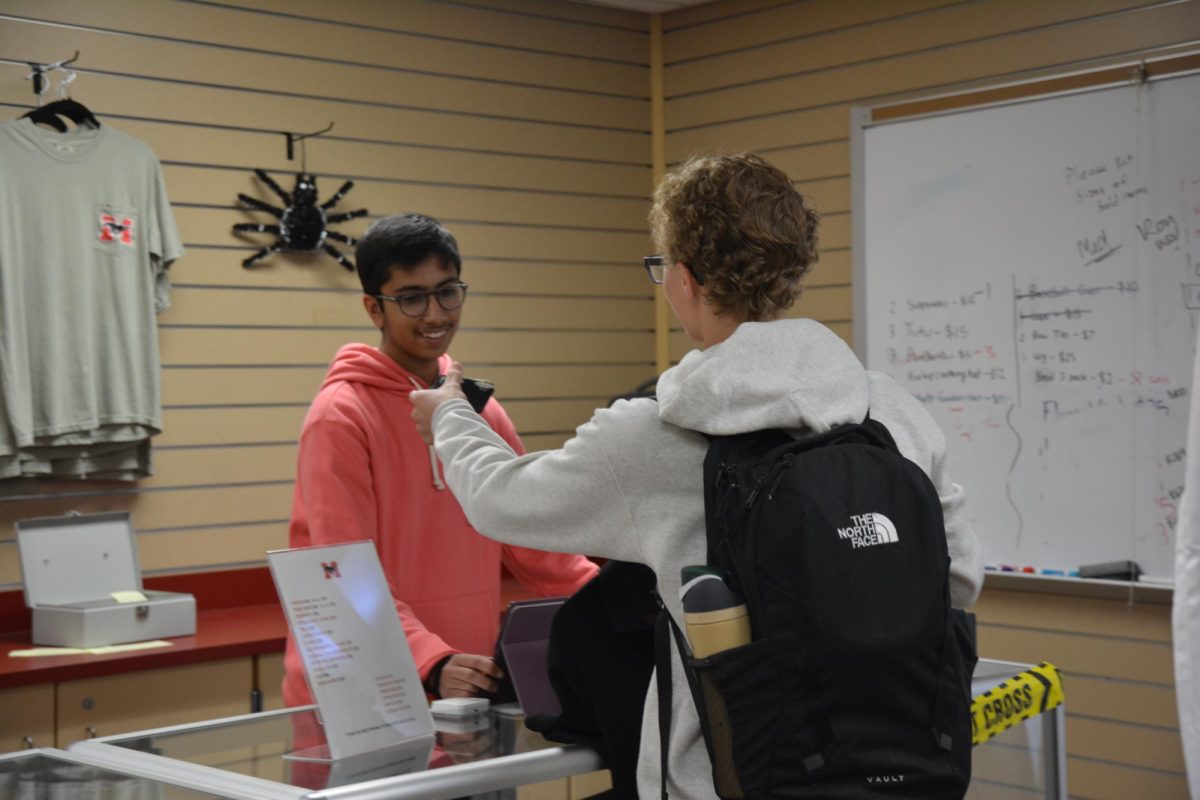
1031 272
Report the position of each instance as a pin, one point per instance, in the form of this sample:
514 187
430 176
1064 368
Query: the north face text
869 529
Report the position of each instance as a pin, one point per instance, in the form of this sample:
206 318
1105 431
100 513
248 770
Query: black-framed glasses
656 268
415 302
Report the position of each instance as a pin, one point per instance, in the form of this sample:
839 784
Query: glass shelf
480 755
251 757
48 774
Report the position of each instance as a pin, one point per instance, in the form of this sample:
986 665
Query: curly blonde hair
738 223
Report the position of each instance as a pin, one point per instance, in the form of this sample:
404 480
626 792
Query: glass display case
476 756
250 757
49 774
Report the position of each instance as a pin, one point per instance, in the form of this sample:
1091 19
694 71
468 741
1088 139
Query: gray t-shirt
86 235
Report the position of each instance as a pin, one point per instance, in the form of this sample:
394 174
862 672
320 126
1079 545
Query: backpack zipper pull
726 477
725 490
754 494
780 468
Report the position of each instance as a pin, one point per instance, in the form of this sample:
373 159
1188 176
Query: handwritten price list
1077 353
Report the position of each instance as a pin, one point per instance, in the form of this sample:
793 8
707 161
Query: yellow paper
131 596
47 651
92 651
122 648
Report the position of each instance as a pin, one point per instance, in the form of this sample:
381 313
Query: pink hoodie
365 473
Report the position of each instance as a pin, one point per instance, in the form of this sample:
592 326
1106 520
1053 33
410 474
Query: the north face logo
869 529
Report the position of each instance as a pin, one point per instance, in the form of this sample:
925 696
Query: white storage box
71 567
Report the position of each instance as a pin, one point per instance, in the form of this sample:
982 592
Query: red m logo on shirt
112 230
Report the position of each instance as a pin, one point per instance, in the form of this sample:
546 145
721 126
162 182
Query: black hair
402 241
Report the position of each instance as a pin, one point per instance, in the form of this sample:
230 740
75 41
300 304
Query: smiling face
416 343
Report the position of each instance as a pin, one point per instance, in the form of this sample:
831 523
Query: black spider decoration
303 225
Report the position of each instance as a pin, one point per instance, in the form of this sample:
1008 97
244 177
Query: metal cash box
72 565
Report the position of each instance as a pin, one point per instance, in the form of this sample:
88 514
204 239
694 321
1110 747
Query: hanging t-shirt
86 235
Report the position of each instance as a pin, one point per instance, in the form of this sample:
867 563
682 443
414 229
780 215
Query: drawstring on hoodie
433 465
438 483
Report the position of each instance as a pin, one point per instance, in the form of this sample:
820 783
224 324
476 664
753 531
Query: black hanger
71 109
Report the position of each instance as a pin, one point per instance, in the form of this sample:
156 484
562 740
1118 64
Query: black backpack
600 659
856 683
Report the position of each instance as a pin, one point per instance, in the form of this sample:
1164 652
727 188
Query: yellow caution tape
1022 696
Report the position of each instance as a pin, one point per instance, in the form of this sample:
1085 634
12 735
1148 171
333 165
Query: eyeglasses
416 302
656 268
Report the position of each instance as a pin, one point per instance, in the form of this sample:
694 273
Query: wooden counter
232 665
220 634
238 614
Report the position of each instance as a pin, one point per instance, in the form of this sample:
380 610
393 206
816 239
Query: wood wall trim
658 162
1133 72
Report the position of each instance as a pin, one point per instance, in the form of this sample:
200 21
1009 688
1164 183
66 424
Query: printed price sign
359 665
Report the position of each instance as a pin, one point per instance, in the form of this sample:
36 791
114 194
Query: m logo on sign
331 569
867 530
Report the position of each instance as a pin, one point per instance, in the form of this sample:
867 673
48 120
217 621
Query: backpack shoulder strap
878 433
662 669
665 629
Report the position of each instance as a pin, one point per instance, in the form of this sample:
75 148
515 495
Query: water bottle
715 616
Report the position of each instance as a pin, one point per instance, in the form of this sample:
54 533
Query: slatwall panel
522 124
1117 662
780 78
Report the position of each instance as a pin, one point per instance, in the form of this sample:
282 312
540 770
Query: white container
70 568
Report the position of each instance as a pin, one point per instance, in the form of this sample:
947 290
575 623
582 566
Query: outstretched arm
565 501
547 574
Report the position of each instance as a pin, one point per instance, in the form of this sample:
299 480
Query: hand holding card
450 386
477 391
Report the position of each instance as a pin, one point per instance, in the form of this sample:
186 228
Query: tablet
521 650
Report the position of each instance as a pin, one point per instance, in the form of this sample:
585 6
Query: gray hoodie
628 485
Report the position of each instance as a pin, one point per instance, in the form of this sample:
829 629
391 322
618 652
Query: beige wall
526 125
780 78
523 125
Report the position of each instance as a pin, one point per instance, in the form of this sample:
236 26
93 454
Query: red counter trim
220 634
238 615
